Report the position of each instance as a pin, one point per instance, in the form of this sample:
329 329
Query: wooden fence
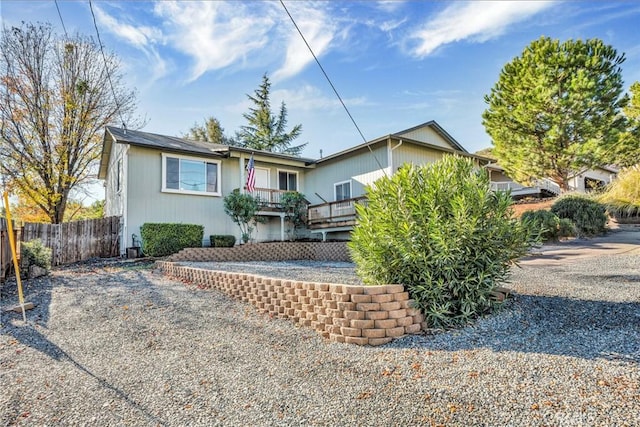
70 241
5 249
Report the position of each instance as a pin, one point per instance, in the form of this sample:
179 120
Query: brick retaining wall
271 251
364 315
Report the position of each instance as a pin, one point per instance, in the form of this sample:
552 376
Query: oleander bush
34 252
222 240
439 230
162 239
548 225
588 215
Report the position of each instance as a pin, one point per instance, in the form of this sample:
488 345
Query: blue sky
396 64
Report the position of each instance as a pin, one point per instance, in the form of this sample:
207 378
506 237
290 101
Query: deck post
282 226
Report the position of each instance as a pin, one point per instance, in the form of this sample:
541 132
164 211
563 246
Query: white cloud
318 28
304 98
215 34
388 26
143 38
389 6
477 21
139 36
310 98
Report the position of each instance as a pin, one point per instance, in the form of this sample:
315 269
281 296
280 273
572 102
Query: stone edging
363 315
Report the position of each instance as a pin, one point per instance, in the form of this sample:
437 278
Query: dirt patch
533 205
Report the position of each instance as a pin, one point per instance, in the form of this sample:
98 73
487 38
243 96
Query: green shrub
439 230
588 216
566 228
162 239
34 252
294 206
548 224
222 241
243 209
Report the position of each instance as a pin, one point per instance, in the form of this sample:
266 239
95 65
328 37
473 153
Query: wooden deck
334 214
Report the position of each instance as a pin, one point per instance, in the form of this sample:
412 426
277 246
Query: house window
342 190
190 175
287 181
593 184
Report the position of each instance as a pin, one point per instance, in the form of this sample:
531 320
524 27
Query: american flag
251 176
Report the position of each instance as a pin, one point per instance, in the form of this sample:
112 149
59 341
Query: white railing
541 184
547 184
506 186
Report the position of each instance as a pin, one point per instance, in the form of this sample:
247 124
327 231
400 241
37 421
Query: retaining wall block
362 315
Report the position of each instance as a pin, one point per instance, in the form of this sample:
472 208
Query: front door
262 178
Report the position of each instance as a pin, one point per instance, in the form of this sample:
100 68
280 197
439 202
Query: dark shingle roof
163 142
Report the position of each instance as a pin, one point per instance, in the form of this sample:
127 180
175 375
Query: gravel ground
115 343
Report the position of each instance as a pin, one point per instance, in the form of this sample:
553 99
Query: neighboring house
583 182
157 178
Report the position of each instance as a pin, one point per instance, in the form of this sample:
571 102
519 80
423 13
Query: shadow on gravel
29 336
554 326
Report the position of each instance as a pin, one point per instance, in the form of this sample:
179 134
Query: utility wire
106 66
332 86
61 20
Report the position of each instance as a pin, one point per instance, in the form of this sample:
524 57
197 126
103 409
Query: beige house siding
116 177
147 203
360 168
498 176
428 135
409 153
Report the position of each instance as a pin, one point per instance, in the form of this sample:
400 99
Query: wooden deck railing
334 211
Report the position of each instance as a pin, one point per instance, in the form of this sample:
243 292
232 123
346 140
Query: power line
61 20
106 66
332 86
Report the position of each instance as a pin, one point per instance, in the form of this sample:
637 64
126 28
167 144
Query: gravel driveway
115 343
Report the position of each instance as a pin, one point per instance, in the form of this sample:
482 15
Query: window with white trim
287 180
190 175
342 190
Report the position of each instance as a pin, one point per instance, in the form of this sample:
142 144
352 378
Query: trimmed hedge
162 239
222 241
588 216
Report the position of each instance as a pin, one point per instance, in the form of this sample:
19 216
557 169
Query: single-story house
157 178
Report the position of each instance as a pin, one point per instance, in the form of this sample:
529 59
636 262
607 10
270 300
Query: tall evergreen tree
556 109
266 131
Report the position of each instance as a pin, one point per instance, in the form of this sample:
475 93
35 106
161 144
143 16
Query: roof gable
420 133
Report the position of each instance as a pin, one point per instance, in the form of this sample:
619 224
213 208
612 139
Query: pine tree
266 131
556 110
